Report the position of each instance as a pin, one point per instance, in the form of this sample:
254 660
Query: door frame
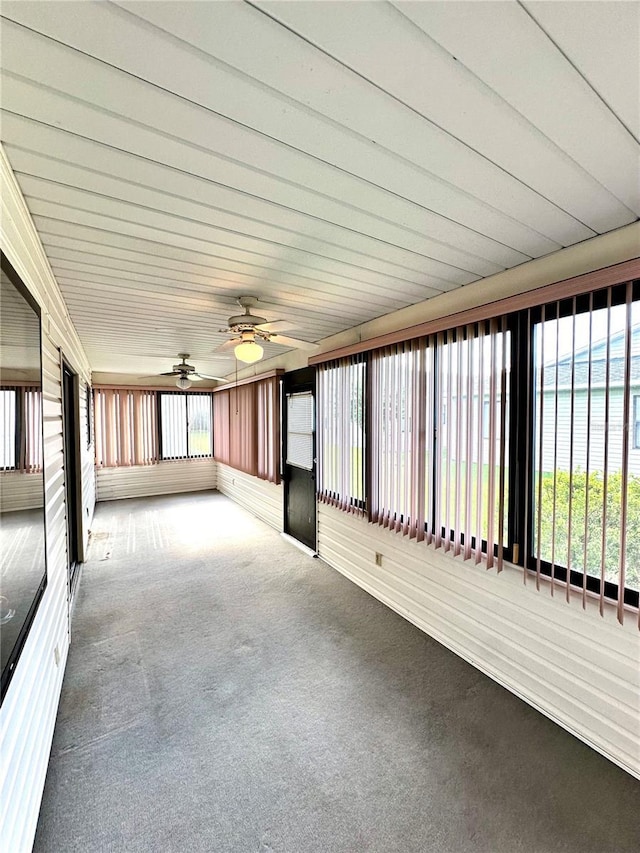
295 382
73 515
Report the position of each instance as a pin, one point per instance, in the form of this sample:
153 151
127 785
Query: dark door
70 429
299 454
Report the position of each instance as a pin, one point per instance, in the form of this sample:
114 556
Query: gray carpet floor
226 692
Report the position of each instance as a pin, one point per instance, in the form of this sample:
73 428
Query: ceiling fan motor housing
183 367
242 322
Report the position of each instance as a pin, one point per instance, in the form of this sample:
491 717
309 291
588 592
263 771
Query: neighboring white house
589 431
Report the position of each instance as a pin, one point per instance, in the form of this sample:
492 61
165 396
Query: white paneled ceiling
337 160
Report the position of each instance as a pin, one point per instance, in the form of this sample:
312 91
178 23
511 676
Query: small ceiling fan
248 328
186 373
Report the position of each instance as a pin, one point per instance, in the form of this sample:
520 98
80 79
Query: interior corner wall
263 499
28 713
164 478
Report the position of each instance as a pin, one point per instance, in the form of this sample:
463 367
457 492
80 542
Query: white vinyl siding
20 491
165 478
262 498
28 713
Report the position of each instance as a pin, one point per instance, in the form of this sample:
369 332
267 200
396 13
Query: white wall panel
263 499
20 491
579 669
165 478
28 713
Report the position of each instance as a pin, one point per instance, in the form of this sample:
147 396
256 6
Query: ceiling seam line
191 286
198 239
284 144
189 220
129 275
249 219
279 205
581 75
426 118
239 273
272 176
522 116
220 257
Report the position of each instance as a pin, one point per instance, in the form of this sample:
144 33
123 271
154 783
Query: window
341 433
185 421
472 445
586 483
514 437
9 427
300 421
401 408
21 420
125 427
23 557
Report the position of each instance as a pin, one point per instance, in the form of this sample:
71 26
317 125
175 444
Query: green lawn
200 443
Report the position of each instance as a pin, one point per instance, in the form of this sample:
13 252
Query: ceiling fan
248 327
186 373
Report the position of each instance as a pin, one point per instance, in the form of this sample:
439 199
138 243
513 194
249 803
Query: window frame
559 309
186 395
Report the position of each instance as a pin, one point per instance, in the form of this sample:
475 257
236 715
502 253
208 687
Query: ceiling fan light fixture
183 382
248 351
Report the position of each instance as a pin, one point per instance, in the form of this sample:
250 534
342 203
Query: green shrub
590 529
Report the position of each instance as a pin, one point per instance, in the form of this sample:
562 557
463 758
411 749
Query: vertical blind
439 439
126 427
268 423
8 400
401 408
185 425
247 428
586 471
31 438
472 440
221 424
21 423
537 461
173 420
341 432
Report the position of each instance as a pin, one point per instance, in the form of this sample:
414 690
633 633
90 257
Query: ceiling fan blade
170 373
204 376
284 341
227 345
276 326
